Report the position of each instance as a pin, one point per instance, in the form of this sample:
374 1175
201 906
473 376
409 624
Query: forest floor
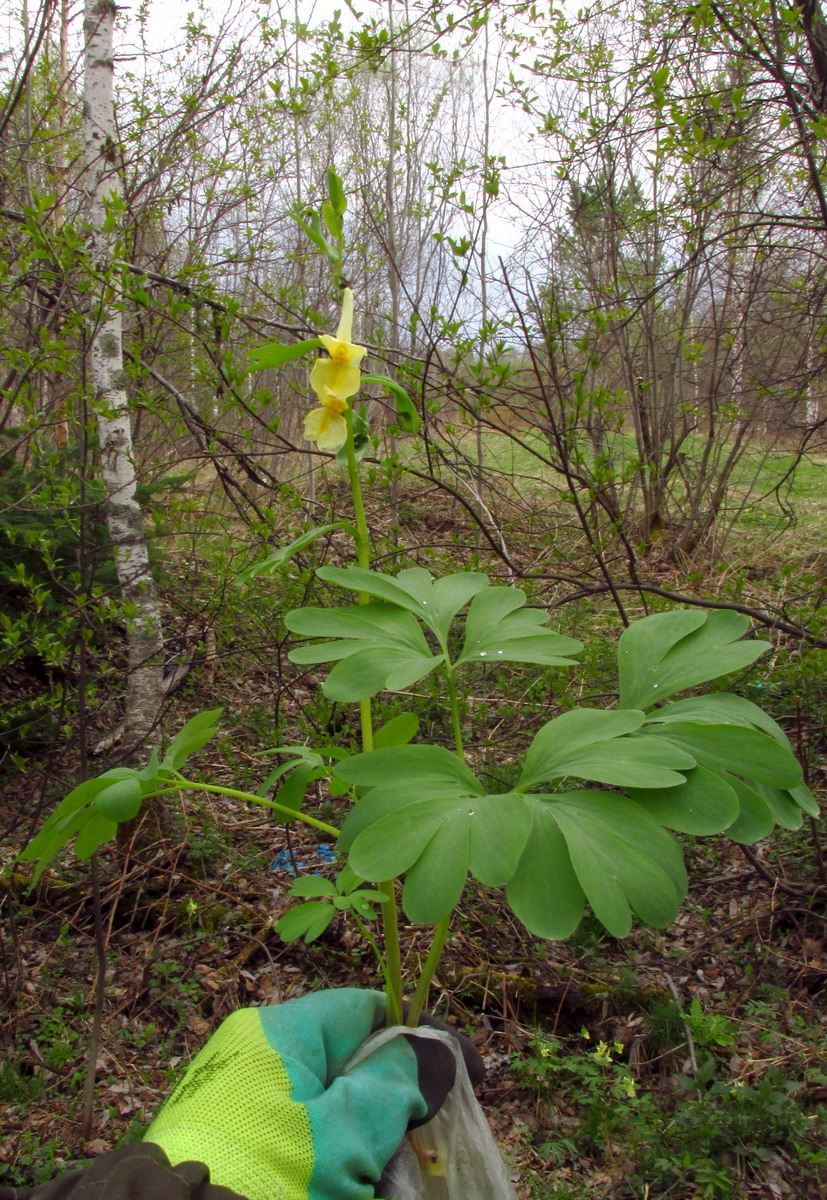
678 1064
719 1021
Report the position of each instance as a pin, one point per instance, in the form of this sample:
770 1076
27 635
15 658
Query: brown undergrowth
189 937
676 1065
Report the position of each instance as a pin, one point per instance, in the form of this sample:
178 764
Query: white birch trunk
813 406
123 514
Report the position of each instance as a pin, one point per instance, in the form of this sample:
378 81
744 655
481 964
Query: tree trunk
123 514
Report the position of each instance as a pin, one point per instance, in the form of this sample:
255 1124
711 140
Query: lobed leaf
748 752
669 652
623 860
499 628
94 833
411 767
309 920
435 602
591 743
706 803
379 646
367 672
71 815
438 840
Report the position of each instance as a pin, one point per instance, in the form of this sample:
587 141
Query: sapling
597 795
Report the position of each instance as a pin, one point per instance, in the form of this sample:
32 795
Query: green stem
291 813
428 971
371 940
393 954
455 721
362 556
392 962
362 534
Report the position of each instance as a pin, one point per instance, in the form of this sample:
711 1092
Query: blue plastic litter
284 862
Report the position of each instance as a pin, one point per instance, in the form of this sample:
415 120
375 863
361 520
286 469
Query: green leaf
292 792
398 731
347 880
624 861
783 807
276 354
70 816
336 192
590 743
707 803
406 411
284 553
367 672
375 624
750 753
437 839
409 767
805 799
396 654
427 814
332 220
720 708
309 920
120 801
151 771
95 832
669 652
499 628
363 902
49 842
434 602
544 891
195 734
308 220
755 818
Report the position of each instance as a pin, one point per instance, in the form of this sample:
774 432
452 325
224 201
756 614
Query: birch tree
123 513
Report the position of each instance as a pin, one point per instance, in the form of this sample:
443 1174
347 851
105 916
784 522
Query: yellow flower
326 426
601 1055
334 380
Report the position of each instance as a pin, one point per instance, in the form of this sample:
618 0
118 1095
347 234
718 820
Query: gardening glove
128 1173
266 1106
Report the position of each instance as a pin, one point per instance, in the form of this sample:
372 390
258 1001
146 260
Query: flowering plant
651 765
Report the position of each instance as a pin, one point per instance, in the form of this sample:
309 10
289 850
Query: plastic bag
454 1156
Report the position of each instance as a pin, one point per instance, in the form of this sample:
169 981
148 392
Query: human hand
268 1106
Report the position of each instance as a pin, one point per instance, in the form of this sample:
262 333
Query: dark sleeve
138 1172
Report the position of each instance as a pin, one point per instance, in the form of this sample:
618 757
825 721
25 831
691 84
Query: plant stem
225 791
362 534
393 955
392 962
389 980
428 971
362 557
455 721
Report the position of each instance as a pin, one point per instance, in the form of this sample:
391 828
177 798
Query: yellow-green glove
265 1104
